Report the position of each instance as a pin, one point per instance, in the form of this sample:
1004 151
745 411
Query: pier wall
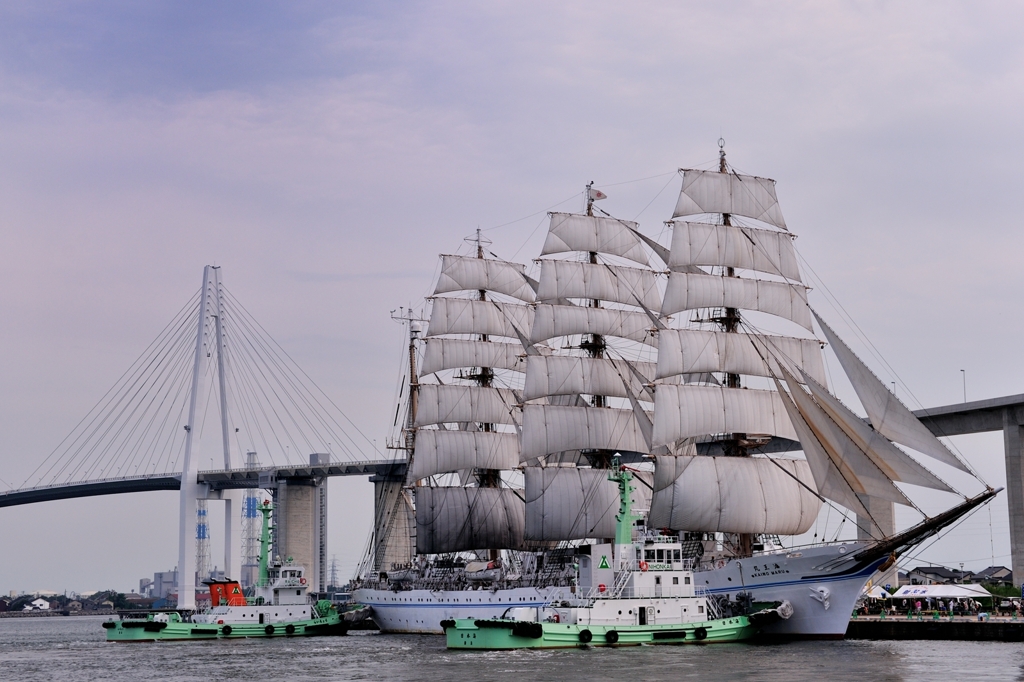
996 630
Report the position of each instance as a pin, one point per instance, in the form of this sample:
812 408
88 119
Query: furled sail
462 519
888 415
691 351
550 321
573 375
462 273
560 279
439 404
733 495
733 246
574 232
443 451
442 354
568 503
690 411
895 463
863 475
687 291
463 316
743 195
548 429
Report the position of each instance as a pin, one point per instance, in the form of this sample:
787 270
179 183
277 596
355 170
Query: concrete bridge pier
300 521
884 524
1013 446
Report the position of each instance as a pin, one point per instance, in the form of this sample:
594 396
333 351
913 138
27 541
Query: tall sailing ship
662 357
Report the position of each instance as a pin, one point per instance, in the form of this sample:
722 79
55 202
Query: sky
323 153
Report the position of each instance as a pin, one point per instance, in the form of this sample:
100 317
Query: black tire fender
289 629
700 633
586 636
269 629
611 636
226 630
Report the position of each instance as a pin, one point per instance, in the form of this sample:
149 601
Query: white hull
797 579
421 611
823 598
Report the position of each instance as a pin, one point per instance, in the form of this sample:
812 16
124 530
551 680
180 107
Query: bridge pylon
210 348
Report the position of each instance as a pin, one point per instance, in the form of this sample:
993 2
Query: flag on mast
597 195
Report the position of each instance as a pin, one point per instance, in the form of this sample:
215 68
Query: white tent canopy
876 592
943 591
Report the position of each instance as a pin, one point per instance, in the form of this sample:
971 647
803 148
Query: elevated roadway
223 479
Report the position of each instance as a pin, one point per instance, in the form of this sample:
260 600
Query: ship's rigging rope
839 308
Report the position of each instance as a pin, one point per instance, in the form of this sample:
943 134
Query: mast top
721 155
479 241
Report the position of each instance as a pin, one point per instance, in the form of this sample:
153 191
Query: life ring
720 563
555 618
643 565
302 581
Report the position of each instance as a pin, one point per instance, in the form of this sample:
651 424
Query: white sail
550 321
863 475
464 316
691 351
548 429
743 195
560 279
569 503
442 354
687 291
888 415
827 477
463 273
438 404
691 411
895 463
734 495
441 451
569 375
574 232
734 247
463 519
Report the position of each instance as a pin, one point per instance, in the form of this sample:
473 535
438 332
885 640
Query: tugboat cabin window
649 555
675 580
657 580
661 556
686 580
677 555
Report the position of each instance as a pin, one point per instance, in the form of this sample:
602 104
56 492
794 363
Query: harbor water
74 649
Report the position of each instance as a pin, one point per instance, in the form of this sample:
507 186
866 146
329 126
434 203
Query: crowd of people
942 607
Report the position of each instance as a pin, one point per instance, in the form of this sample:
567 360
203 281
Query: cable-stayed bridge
213 407
215 371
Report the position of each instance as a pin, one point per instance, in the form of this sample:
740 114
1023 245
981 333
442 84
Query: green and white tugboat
279 607
642 592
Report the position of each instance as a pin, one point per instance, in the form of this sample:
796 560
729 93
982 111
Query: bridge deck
948 420
216 479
